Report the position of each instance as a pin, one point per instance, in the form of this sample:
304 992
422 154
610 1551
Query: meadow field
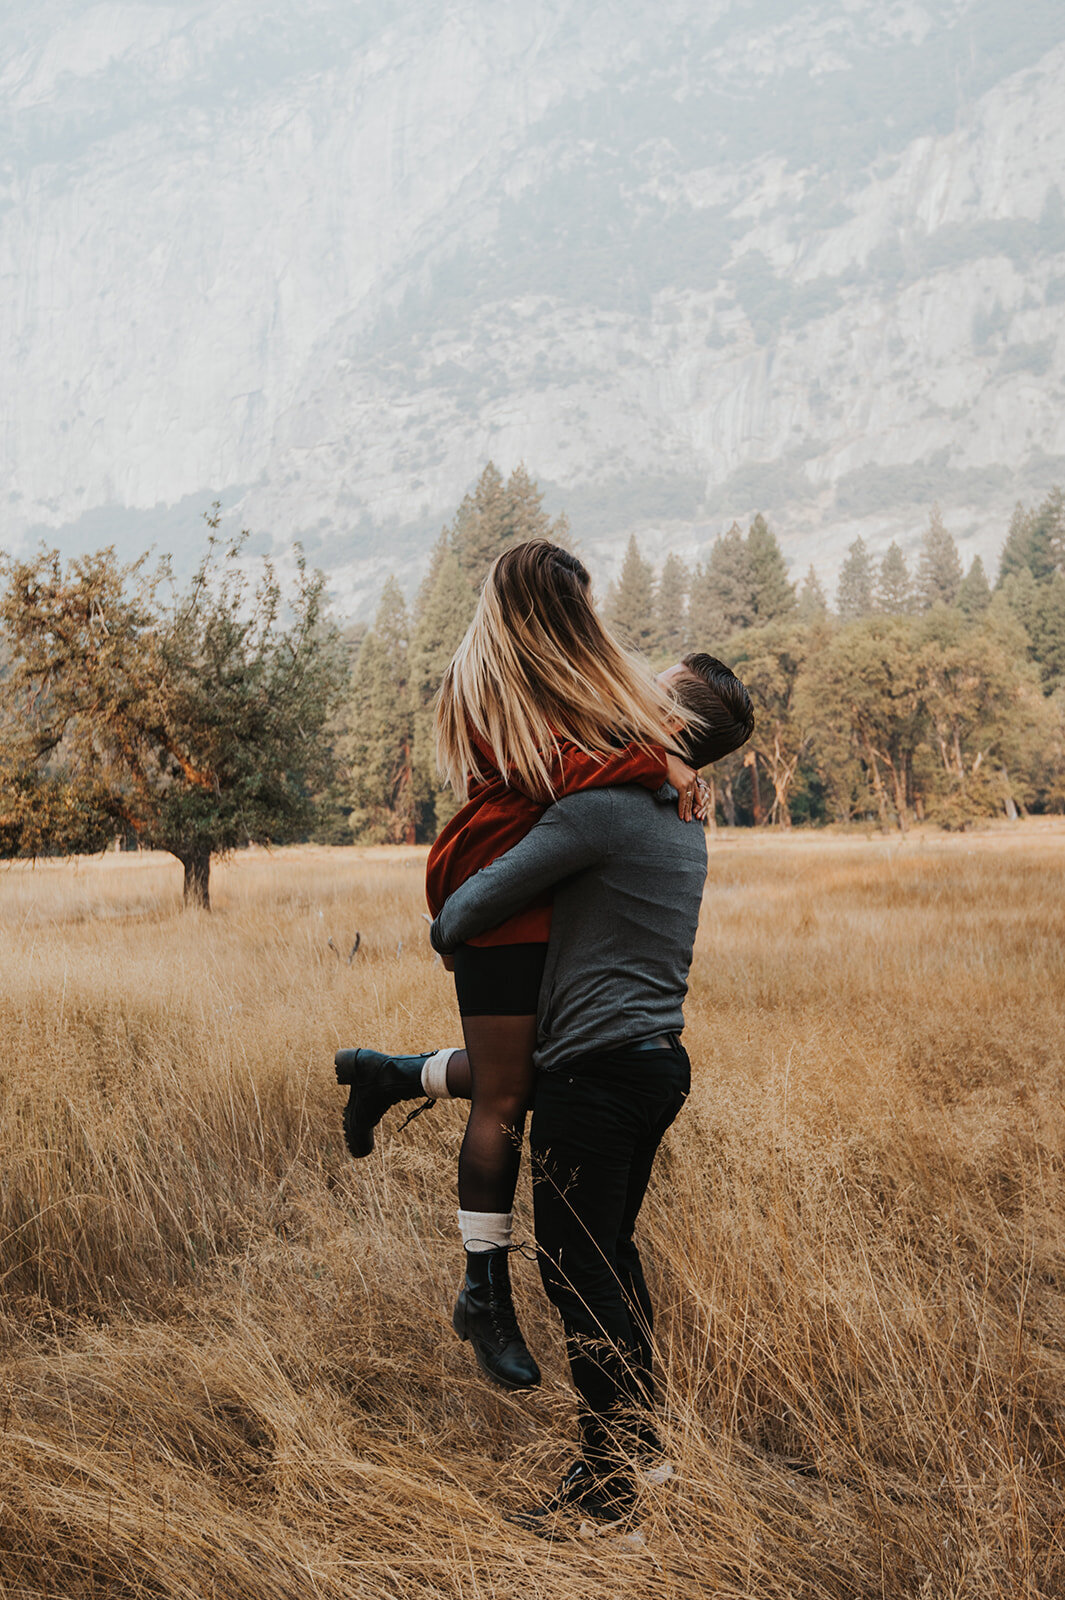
227 1368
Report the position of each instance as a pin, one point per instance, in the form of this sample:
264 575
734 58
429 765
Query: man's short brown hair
717 697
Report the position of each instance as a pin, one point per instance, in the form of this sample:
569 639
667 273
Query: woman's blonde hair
538 666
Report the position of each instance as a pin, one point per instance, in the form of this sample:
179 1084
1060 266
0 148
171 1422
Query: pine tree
729 580
854 596
939 571
1052 519
1041 540
707 628
442 551
773 596
380 745
671 608
974 596
497 514
444 613
525 514
1048 633
812 602
894 590
1019 594
1035 541
630 605
479 531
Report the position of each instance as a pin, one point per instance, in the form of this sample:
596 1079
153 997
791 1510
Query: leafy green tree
770 660
773 595
855 594
671 609
77 649
196 721
860 692
380 747
939 572
1045 775
984 711
974 595
630 603
894 587
812 602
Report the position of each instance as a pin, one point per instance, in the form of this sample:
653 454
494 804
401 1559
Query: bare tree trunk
1009 804
728 802
781 772
751 760
405 797
898 788
869 755
197 864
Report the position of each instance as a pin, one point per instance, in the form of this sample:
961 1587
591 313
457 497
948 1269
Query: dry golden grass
227 1364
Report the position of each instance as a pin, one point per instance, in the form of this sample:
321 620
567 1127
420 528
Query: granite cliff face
686 260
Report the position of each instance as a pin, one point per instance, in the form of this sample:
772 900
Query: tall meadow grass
226 1363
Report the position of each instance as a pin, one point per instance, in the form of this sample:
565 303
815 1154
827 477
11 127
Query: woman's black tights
501 1080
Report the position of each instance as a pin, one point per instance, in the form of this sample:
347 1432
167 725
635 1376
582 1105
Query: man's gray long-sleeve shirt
628 882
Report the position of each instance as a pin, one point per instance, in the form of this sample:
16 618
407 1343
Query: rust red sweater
497 816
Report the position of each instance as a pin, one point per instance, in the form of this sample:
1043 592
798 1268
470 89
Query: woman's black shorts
499 980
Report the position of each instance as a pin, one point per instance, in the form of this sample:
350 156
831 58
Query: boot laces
501 1306
426 1105
504 1319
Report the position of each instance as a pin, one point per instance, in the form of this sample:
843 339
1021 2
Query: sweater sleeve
574 771
633 763
568 837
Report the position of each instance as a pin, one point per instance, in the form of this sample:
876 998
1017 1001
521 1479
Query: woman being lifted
539 701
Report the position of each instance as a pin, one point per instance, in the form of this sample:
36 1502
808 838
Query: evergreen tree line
922 693
199 720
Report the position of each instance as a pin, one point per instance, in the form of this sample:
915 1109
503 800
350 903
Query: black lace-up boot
607 1499
484 1314
378 1082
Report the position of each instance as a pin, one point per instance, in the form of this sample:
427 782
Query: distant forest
918 694
231 711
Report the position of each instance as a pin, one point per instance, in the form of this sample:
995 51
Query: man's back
628 880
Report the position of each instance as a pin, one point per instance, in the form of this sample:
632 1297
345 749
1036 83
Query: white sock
434 1074
485 1230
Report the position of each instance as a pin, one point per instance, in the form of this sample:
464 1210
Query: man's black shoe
484 1314
378 1082
603 1501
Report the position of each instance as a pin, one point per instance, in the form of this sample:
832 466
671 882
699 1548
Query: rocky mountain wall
322 261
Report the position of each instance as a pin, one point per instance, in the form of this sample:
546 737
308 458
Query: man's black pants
596 1127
